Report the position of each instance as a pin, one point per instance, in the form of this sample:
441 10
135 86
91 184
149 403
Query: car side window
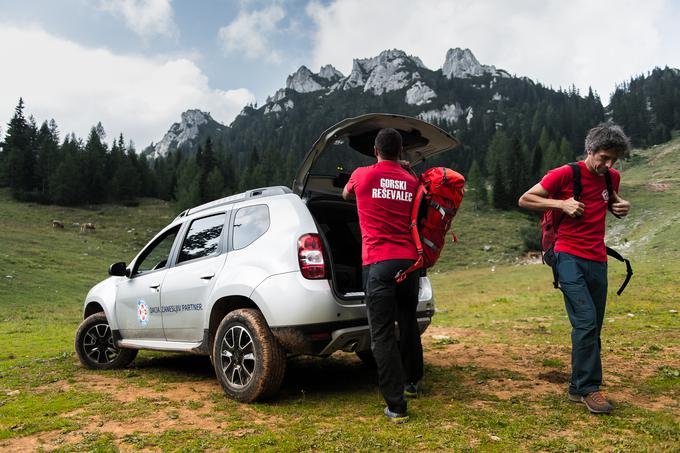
203 238
249 224
156 256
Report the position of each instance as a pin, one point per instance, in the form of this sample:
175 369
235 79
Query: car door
189 283
138 299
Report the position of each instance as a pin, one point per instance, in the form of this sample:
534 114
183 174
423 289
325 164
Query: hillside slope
650 181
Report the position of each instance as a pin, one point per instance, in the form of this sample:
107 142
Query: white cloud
145 17
77 86
250 33
557 43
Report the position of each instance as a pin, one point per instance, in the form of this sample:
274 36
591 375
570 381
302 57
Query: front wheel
249 362
95 346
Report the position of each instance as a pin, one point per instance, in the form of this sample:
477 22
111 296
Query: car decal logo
142 312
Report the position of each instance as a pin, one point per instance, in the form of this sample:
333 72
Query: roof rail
262 192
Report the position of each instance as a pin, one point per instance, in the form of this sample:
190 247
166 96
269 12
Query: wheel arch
221 308
92 308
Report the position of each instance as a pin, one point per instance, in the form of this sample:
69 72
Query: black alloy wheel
95 346
249 362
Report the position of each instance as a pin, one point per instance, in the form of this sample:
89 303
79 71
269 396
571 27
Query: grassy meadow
497 355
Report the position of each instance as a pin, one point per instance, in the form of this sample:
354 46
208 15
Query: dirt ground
187 405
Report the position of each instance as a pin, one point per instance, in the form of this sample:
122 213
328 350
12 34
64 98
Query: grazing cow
86 226
57 224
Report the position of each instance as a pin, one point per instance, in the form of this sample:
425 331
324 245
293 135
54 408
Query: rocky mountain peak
461 63
186 132
303 81
329 73
390 70
194 117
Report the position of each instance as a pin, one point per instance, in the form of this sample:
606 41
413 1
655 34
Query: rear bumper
327 338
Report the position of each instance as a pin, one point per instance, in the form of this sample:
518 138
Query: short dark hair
607 136
388 143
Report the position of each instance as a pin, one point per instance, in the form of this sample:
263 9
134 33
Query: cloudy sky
135 65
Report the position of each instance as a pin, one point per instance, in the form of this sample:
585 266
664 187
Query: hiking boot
395 417
597 403
575 397
411 390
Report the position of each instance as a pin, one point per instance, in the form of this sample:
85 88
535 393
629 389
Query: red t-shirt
384 193
582 236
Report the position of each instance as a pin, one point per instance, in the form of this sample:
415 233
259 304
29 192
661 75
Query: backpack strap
629 269
556 277
415 207
610 191
576 183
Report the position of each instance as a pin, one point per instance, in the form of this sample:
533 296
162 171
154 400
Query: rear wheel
95 346
249 362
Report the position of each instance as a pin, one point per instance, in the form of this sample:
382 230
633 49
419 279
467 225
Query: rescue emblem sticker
142 312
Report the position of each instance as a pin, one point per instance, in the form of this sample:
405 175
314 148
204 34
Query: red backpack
434 206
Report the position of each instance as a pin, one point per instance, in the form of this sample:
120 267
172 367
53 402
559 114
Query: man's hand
572 208
620 207
406 165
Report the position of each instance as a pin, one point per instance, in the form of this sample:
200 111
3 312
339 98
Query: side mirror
117 269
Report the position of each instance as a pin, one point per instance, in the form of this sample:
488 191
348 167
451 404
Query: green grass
495 369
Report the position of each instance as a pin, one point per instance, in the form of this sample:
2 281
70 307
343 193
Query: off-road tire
249 362
95 347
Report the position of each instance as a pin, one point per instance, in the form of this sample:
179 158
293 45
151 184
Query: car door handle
155 286
207 276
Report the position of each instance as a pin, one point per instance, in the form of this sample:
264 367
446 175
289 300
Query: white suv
251 277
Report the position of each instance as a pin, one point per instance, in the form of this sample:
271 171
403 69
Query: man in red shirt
384 194
580 251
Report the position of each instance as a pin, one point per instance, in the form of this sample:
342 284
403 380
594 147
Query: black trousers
387 302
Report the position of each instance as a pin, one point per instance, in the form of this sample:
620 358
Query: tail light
310 256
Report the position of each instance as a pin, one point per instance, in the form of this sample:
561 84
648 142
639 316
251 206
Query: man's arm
537 199
346 195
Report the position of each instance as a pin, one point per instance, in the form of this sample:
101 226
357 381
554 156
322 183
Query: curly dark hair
609 136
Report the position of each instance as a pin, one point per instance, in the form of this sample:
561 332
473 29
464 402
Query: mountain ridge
389 71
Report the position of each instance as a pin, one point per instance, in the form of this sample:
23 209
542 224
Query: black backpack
549 229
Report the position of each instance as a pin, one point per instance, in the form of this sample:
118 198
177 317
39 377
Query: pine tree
47 155
3 163
477 186
500 191
214 185
188 192
566 152
536 163
515 171
20 160
95 166
497 149
67 181
551 159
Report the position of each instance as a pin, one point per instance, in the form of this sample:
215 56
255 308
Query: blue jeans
584 284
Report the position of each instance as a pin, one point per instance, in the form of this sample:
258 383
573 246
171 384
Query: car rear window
249 224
